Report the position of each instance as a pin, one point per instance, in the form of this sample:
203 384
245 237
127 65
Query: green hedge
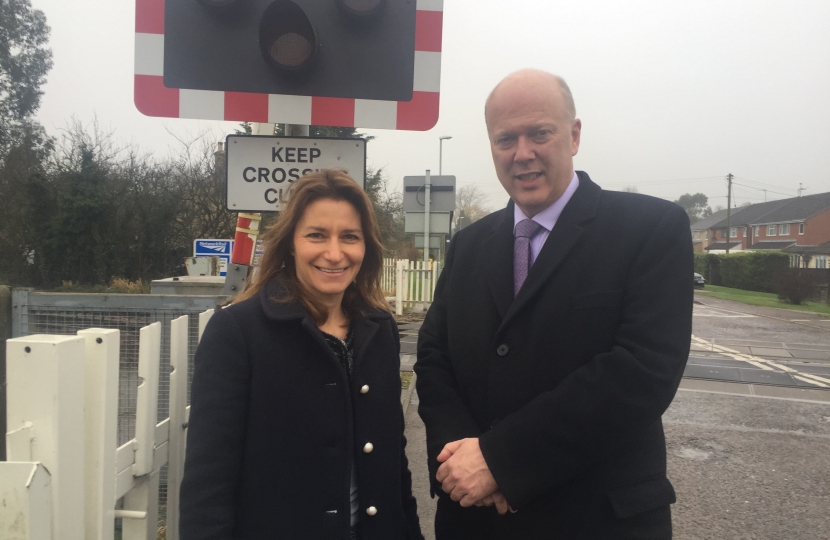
748 270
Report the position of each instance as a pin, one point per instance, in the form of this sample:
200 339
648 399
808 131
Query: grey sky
672 95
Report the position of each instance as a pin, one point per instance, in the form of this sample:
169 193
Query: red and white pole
244 241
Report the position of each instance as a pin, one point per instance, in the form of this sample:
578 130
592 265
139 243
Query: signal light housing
297 47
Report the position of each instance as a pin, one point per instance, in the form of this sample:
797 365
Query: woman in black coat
296 427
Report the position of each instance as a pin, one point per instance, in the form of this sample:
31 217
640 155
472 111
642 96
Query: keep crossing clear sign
260 169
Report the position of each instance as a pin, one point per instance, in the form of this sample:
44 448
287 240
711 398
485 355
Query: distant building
799 226
700 231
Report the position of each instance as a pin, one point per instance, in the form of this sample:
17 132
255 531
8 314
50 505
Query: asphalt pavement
747 434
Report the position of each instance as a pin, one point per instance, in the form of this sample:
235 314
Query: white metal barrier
415 283
64 475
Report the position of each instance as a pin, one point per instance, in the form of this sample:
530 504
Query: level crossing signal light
363 49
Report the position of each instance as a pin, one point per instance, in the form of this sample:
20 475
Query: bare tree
472 201
199 170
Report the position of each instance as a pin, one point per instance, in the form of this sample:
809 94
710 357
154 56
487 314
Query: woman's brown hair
278 241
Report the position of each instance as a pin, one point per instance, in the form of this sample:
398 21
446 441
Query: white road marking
816 377
802 379
762 363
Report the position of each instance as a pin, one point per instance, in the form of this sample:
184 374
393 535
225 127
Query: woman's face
328 248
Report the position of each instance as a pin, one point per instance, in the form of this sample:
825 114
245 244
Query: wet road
747 434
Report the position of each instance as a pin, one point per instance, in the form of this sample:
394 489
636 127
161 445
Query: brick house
799 226
701 236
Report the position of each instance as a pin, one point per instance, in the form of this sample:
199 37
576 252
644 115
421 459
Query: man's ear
576 133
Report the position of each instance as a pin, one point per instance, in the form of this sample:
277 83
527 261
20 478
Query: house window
733 232
743 232
771 230
795 261
785 229
821 261
756 231
800 228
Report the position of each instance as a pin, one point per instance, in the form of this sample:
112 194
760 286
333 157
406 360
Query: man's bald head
534 78
534 134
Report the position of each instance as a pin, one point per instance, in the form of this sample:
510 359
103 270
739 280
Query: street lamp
441 150
440 162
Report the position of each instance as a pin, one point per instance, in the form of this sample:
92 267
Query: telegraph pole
728 210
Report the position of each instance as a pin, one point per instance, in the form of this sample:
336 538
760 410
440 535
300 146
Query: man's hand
464 473
499 501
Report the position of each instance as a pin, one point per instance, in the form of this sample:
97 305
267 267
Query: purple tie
525 230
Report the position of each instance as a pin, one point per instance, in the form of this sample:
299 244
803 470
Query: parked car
699 281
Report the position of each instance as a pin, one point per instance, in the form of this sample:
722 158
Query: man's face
533 141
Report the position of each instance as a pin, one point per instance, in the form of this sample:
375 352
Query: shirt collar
547 218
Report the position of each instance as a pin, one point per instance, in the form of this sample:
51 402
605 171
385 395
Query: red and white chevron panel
152 98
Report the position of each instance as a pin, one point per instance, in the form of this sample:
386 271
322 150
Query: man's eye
505 141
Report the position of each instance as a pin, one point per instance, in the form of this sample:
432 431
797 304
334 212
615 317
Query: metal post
728 211
440 164
426 218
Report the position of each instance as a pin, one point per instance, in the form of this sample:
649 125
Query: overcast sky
672 95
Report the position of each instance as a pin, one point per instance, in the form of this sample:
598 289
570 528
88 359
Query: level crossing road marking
707 311
762 363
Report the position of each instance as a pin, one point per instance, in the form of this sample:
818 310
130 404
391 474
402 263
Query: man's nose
524 150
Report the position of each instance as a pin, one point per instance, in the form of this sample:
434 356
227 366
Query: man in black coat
542 389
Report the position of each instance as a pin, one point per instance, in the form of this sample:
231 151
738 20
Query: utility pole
800 189
728 211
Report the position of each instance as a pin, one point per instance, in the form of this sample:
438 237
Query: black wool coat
564 385
275 427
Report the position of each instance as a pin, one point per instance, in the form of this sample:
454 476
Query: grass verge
755 298
406 378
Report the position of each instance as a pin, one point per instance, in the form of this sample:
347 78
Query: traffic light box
361 63
333 48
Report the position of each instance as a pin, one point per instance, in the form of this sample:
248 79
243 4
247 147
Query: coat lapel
499 270
564 236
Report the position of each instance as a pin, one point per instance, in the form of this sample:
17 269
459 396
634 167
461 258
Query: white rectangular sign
260 169
438 223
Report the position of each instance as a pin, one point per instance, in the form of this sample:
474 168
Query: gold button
364 389
368 447
371 510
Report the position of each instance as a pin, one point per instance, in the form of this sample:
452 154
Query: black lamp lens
218 3
361 8
286 36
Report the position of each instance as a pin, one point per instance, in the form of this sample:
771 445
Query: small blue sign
222 248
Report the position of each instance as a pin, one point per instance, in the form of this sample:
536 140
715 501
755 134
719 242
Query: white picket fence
415 283
64 476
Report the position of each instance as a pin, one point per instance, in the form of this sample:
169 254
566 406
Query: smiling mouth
331 270
527 177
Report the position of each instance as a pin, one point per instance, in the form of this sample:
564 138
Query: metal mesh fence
41 317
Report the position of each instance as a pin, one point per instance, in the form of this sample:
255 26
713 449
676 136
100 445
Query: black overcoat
275 426
564 385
